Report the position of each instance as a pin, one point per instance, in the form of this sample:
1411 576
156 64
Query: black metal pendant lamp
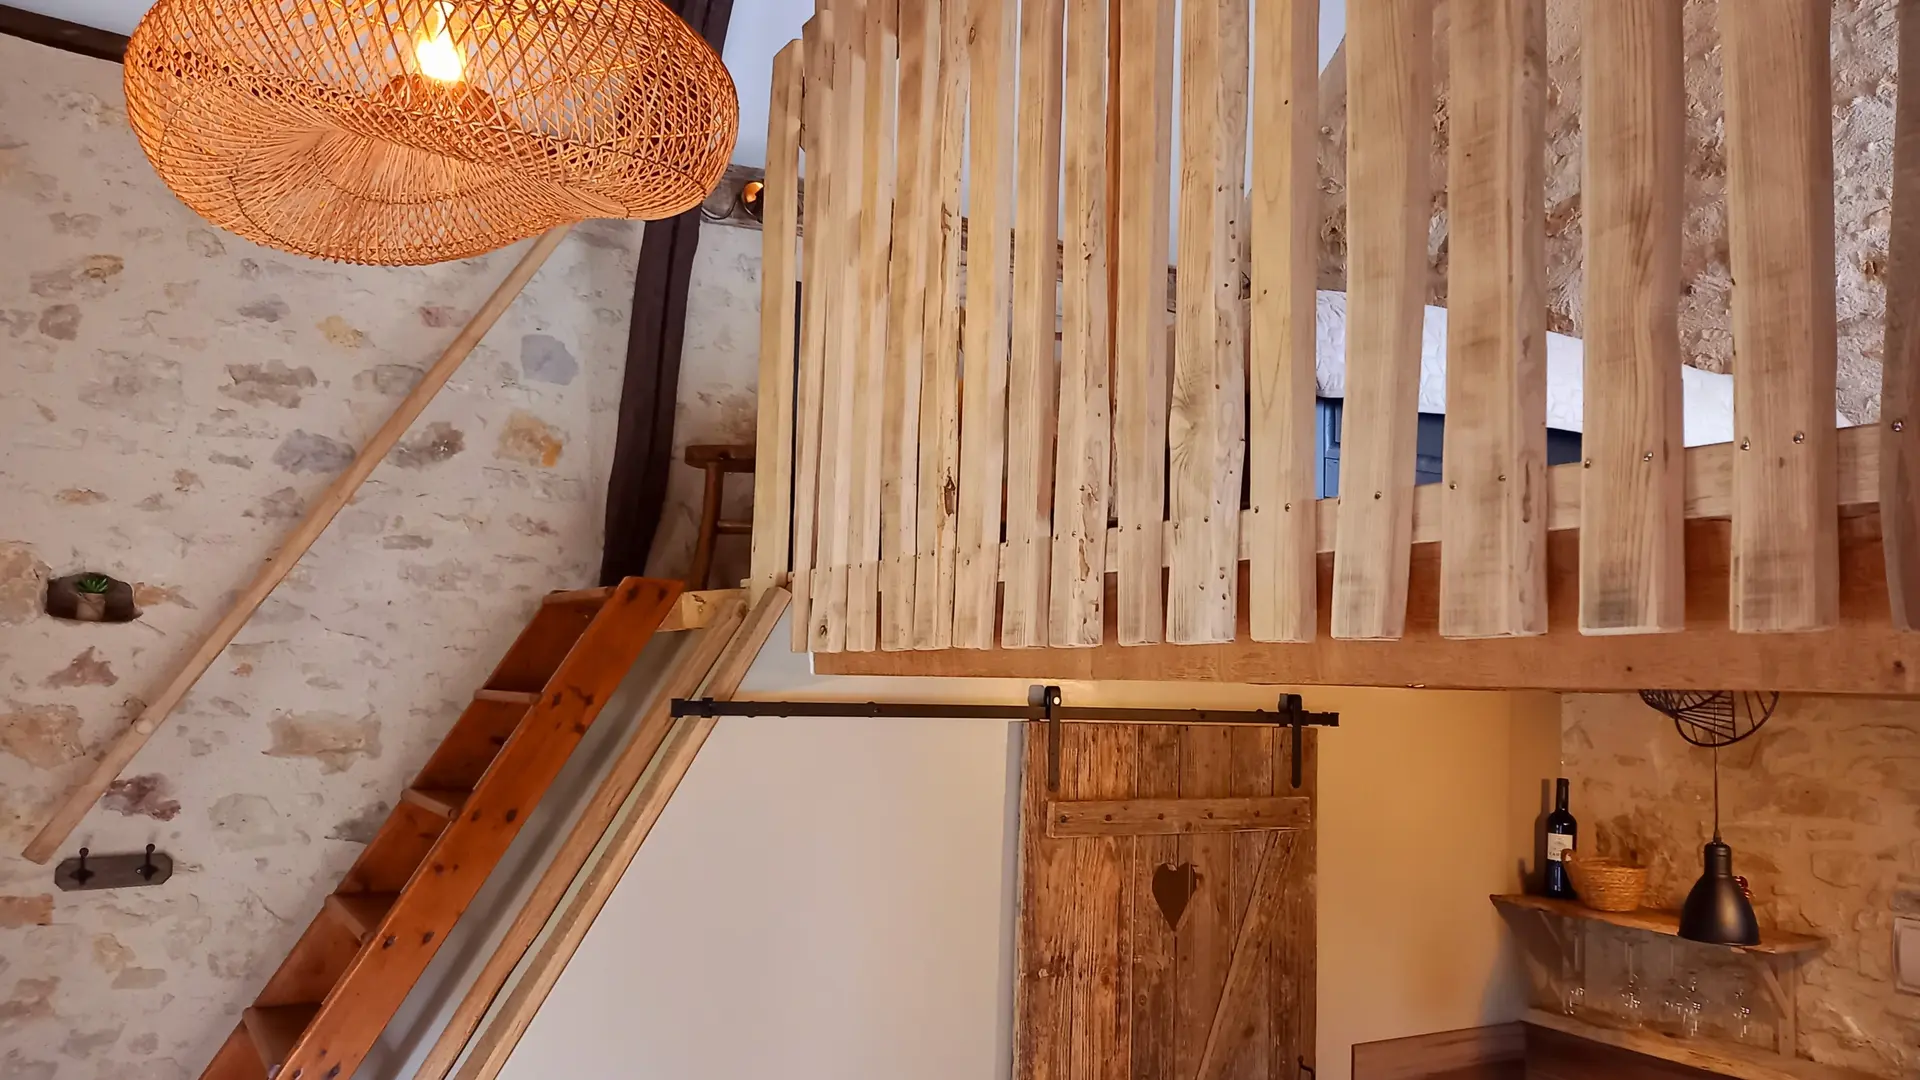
1717 910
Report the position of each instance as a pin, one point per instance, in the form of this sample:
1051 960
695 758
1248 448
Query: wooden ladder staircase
330 999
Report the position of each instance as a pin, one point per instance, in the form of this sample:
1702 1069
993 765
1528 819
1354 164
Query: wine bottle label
1558 844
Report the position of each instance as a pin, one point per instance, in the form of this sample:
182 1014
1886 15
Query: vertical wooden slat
773 435
1493 550
1140 333
1900 366
1632 562
1031 383
937 535
1389 206
1786 553
817 39
1281 457
915 242
845 331
983 403
1085 430
882 58
1206 427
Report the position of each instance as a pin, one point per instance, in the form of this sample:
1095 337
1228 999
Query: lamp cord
1716 794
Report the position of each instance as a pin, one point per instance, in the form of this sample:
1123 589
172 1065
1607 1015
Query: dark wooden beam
643 440
61 34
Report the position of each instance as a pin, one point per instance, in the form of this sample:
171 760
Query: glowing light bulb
435 52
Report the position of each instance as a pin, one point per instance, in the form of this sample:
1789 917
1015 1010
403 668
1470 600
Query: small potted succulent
91 597
90 590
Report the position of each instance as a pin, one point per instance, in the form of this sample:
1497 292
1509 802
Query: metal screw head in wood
417 131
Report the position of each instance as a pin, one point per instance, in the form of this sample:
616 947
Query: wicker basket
1607 884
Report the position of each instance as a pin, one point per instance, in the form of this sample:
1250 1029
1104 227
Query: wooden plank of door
1247 997
983 402
816 40
1493 563
1786 571
1140 328
915 241
1206 424
1044 1004
1281 457
1085 433
779 237
1172 817
1031 384
1292 953
1203 943
1160 891
1632 563
1243 1001
937 534
1900 363
881 52
847 136
1389 200
1099 764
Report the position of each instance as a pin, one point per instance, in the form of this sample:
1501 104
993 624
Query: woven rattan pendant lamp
416 131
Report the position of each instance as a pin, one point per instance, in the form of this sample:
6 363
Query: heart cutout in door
1173 887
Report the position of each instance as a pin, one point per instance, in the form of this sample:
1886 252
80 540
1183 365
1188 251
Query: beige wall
859 875
1822 808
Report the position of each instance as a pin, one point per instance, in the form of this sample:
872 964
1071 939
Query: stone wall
1864 84
1822 809
171 398
719 367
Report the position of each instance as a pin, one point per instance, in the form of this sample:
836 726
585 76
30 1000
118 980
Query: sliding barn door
1167 906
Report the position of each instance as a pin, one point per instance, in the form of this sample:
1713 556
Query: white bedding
1708 397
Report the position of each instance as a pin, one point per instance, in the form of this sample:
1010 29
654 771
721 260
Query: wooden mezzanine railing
1009 451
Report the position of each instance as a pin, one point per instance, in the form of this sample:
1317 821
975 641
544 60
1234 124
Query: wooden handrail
81 797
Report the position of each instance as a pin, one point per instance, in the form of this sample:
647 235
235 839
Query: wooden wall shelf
1723 1059
1658 921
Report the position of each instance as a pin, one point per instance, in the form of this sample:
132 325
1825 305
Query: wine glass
1692 1003
1743 1010
1632 1002
1573 989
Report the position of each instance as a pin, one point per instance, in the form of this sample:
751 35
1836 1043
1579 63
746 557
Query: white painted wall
822 899
834 898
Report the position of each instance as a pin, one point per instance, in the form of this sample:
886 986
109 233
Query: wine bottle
1561 831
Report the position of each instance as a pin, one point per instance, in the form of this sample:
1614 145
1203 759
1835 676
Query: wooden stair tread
508 697
275 1028
361 913
437 800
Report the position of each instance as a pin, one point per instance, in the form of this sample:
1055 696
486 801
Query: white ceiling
758 30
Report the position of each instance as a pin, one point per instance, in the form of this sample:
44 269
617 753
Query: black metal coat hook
87 871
